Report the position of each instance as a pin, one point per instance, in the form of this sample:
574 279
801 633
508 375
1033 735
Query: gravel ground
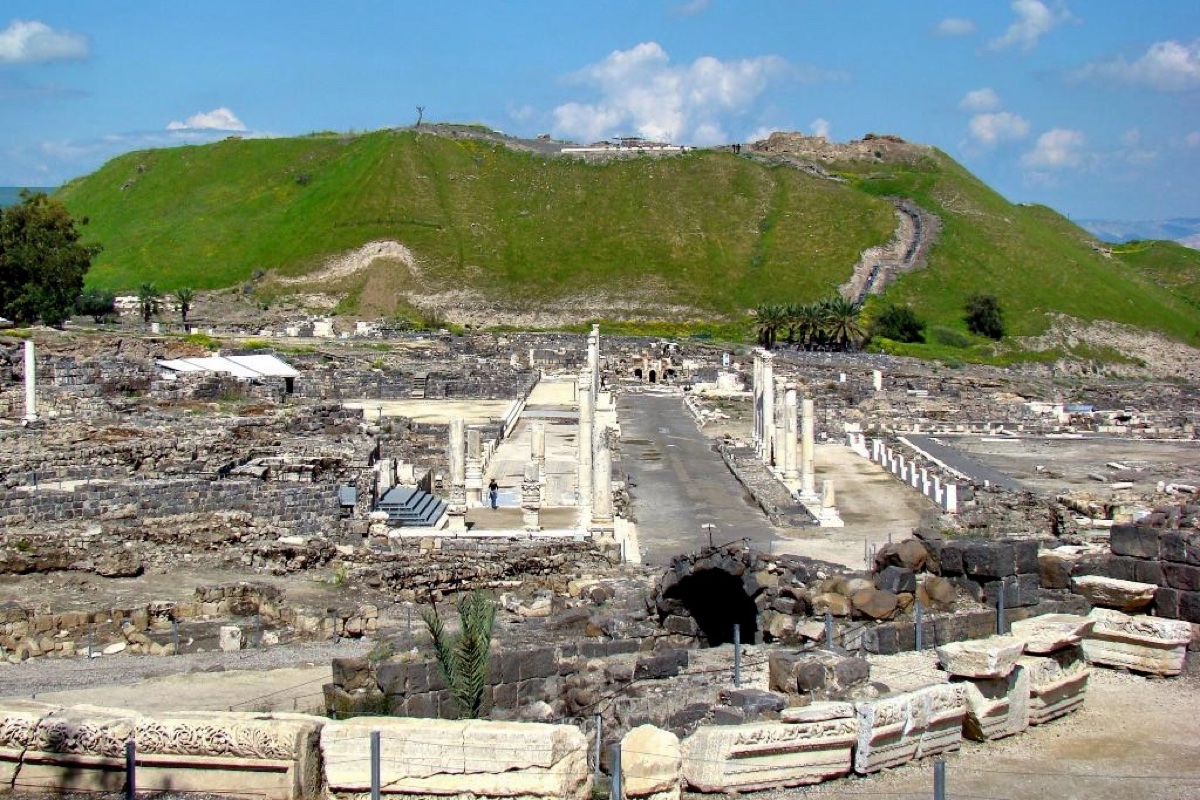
45 675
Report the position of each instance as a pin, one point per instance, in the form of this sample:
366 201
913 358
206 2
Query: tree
985 316
842 328
42 261
463 659
771 317
900 324
809 322
98 305
149 304
184 297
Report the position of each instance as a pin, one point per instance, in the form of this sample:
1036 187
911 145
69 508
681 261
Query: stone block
660 665
539 663
896 579
1189 606
1180 547
1166 602
1181 576
989 559
898 728
352 673
997 707
993 657
1140 643
875 603
230 638
651 764
1054 569
1134 540
762 756
1027 555
463 758
816 672
1020 591
1055 689
1125 596
754 702
393 677
1049 633
950 557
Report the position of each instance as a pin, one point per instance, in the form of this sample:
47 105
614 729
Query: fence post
175 635
615 793
333 619
828 631
375 766
920 632
1000 606
737 655
939 779
130 769
599 737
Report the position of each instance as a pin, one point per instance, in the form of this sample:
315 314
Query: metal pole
920 632
375 765
1000 607
599 731
615 794
175 635
334 620
939 779
828 631
91 634
737 655
130 769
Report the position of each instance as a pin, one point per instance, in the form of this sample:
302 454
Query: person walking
493 494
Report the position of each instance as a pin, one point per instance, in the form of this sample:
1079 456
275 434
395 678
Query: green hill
702 236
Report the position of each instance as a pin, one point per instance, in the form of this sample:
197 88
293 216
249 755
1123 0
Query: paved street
678 483
976 470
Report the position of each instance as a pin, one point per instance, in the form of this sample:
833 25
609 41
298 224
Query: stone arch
637 373
653 376
704 594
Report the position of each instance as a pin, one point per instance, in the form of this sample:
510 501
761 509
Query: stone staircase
410 507
419 384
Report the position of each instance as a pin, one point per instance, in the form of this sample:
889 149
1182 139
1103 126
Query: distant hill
1185 230
491 231
10 195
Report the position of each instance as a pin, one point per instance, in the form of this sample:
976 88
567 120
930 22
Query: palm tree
771 317
148 302
184 297
841 322
809 322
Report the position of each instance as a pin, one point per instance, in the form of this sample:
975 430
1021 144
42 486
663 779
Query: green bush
984 316
900 324
949 337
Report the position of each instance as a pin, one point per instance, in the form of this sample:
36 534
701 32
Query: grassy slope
713 230
1161 262
707 229
1031 258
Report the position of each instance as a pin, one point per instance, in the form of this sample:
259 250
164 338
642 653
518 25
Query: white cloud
760 133
30 42
219 119
980 100
955 26
1131 137
692 7
991 129
1034 20
820 127
1059 148
641 92
1168 66
1192 139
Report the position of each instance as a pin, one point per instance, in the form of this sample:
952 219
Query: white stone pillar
756 399
593 358
586 433
828 516
808 472
790 457
950 498
474 469
602 505
531 499
457 505
30 382
877 378
768 405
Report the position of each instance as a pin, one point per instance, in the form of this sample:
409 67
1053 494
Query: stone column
808 472
779 427
457 505
950 498
537 452
602 504
30 382
593 358
828 516
531 499
474 469
877 379
586 434
756 398
790 459
768 404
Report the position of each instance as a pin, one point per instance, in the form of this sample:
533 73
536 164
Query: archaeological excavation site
318 563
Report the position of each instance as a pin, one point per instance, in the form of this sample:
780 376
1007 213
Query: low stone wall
50 749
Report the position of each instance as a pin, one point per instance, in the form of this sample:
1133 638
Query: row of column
776 439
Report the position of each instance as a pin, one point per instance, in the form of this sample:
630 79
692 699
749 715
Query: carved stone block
1140 643
894 730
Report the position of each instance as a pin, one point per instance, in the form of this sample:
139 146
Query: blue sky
1090 107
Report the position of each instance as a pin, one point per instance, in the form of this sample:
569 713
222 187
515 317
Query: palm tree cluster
828 324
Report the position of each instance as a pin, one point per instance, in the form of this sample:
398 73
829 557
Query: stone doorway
717 600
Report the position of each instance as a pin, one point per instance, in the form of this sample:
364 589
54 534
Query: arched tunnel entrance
717 601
